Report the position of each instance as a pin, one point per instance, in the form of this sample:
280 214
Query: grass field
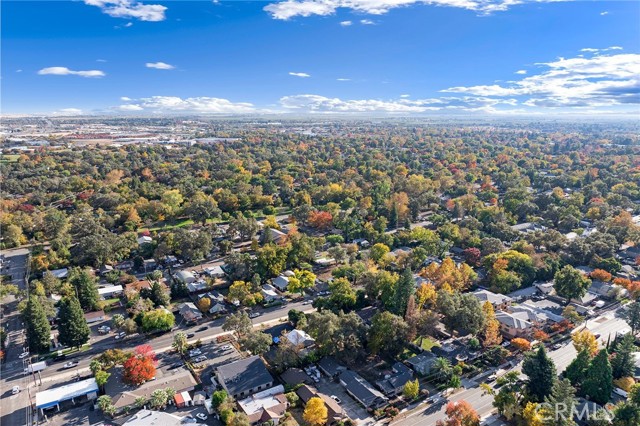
9 158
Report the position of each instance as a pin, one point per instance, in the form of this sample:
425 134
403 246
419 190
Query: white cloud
288 9
203 105
343 79
67 71
367 22
521 72
131 108
317 104
125 98
300 74
68 111
18 70
599 81
596 51
346 23
101 60
405 95
604 13
159 65
128 24
130 9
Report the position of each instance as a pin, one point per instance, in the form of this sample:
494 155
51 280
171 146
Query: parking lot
209 356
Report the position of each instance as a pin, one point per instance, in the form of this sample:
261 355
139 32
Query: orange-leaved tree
140 367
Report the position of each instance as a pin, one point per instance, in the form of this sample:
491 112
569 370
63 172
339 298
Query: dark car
58 358
190 335
202 329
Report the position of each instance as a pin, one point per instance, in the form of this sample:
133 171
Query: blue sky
321 56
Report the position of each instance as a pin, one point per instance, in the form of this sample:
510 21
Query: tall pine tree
402 292
541 372
623 361
73 328
563 397
38 328
576 371
86 287
598 382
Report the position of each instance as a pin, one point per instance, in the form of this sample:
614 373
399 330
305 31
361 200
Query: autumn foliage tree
460 413
491 326
140 367
521 344
320 219
315 413
600 275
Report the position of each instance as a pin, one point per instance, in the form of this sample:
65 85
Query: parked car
121 335
59 357
70 364
225 347
201 416
104 329
307 302
195 352
23 355
557 346
336 399
15 390
255 314
200 358
190 335
203 328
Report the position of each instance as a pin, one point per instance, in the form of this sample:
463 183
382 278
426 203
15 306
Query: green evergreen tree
632 316
563 396
73 328
623 361
86 287
404 288
541 372
598 382
576 371
37 324
159 295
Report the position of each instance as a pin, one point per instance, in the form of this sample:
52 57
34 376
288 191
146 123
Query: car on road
104 329
307 302
434 399
15 390
60 357
336 399
255 314
200 358
70 364
195 352
225 347
190 335
492 377
121 335
557 346
203 328
23 355
201 416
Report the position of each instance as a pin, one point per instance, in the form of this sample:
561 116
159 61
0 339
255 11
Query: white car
23 355
201 416
226 347
121 335
336 399
70 364
195 352
200 358
15 390
307 302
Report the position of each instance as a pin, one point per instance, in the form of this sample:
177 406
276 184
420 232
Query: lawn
426 343
10 158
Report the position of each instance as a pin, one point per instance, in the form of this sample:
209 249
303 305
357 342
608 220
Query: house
145 239
361 390
367 314
269 293
499 301
182 399
300 338
185 277
422 363
60 273
280 282
92 317
273 235
393 384
105 269
295 376
335 413
266 406
110 291
197 286
180 380
244 377
527 227
545 288
361 242
323 262
514 324
214 271
538 315
148 417
329 366
602 289
213 296
189 312
150 265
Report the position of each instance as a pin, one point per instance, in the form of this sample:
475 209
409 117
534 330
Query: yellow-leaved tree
585 340
315 413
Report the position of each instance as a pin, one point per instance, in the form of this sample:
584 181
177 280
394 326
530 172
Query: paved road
14 413
605 325
13 406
